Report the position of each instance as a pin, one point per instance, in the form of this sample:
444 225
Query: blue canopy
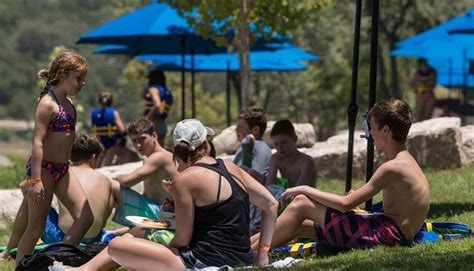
465 26
229 62
283 56
280 49
441 31
211 66
157 25
449 54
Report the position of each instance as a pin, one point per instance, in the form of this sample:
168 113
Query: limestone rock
10 201
4 161
226 141
113 171
436 143
467 144
330 157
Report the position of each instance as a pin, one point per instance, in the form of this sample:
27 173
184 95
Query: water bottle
247 151
283 182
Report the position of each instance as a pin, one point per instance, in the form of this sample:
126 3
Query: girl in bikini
47 168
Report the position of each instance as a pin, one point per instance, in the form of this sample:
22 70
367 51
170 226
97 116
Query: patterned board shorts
351 230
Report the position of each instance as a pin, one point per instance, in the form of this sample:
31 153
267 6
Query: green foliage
33 29
216 19
11 176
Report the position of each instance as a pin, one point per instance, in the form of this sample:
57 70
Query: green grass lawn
452 199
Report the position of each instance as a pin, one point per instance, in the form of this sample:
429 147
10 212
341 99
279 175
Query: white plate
138 221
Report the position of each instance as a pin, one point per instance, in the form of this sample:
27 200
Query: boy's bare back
98 191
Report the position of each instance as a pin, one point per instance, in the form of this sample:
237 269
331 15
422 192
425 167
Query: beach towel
432 232
134 204
297 249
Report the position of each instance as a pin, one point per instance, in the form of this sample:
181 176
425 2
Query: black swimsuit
221 234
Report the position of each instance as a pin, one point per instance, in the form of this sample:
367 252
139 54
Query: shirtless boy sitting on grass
295 166
158 165
404 187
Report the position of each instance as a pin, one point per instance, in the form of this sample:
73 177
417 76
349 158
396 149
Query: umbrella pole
193 96
352 109
227 93
183 101
372 89
464 85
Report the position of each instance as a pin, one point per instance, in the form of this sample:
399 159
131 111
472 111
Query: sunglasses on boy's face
366 126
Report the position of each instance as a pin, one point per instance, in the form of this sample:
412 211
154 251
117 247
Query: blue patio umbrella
211 65
465 26
286 49
258 59
441 31
449 54
157 25
285 59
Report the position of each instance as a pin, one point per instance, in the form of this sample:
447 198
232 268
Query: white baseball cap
191 131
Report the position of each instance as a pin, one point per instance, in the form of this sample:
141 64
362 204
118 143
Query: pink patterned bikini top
64 122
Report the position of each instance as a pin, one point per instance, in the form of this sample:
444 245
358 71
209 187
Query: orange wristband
264 247
33 180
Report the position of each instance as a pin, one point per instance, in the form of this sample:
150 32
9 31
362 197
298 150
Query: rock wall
436 143
226 141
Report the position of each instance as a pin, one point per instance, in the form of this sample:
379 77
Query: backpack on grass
67 254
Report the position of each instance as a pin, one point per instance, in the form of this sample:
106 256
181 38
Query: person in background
107 125
423 83
332 218
254 154
47 169
158 100
294 166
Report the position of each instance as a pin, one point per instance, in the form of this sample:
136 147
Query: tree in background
216 19
400 19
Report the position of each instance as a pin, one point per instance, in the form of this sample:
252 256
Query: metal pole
183 83
372 88
227 92
193 97
352 109
464 84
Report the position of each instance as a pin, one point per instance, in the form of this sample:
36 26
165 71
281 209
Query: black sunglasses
366 126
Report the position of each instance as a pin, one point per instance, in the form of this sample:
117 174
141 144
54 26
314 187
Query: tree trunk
235 79
394 73
243 47
382 73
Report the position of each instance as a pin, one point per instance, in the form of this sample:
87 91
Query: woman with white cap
212 212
